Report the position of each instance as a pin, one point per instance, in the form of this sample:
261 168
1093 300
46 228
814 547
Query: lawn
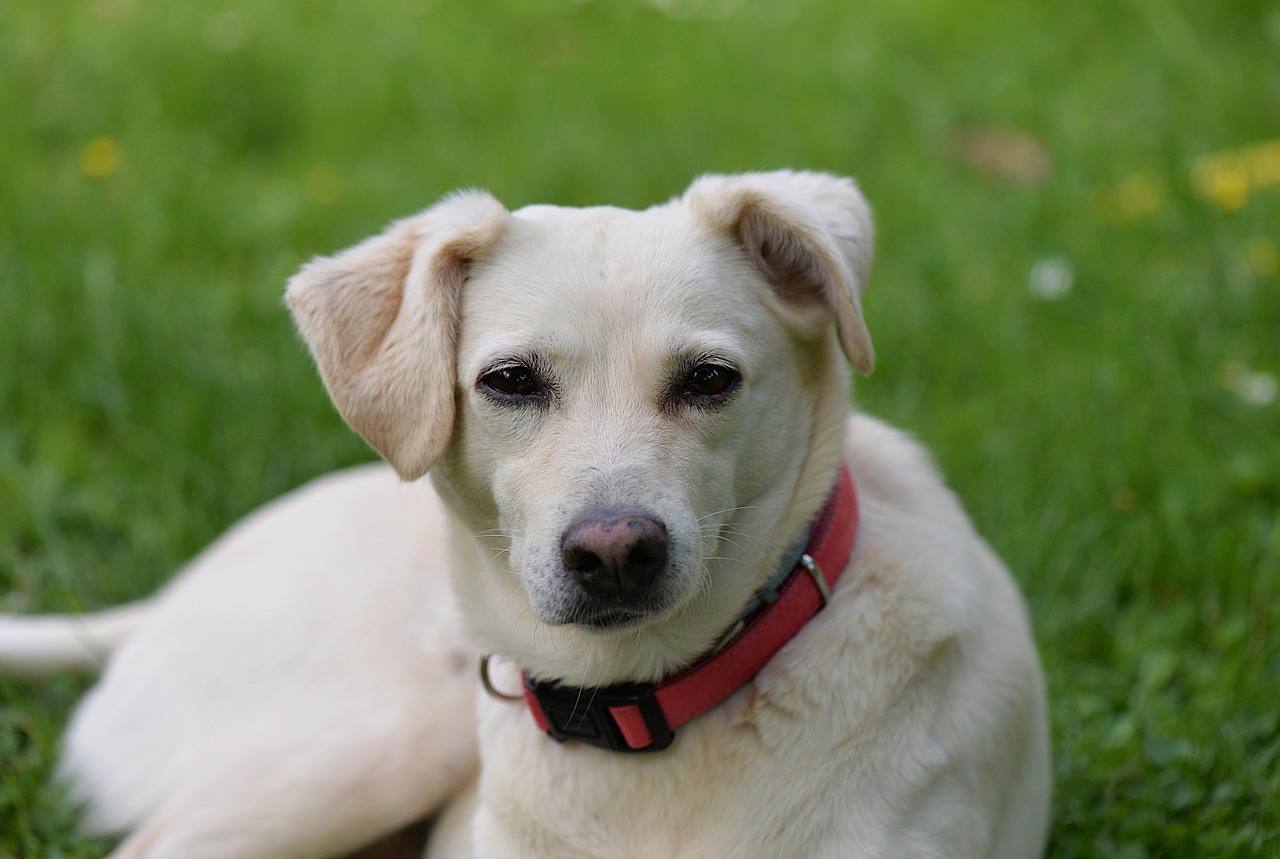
1076 304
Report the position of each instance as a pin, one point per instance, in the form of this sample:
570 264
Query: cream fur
306 683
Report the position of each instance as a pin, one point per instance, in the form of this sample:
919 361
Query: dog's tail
40 644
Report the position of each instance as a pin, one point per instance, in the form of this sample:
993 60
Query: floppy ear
811 236
381 320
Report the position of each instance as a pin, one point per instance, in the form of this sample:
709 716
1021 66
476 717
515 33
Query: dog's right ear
381 320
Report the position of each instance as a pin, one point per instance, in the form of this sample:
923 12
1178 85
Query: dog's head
635 413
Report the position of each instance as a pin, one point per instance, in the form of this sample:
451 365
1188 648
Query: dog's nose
615 557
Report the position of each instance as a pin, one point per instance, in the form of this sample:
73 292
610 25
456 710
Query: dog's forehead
611 272
609 247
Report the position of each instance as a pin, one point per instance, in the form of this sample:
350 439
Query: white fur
301 688
288 695
39 645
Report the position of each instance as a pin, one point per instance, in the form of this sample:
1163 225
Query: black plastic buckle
583 714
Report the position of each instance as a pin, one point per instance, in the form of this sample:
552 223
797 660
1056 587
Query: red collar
643 717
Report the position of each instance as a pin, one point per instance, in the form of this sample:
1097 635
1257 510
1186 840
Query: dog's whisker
753 553
492 561
745 507
749 536
500 532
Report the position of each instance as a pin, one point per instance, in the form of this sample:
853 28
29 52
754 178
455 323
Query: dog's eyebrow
707 350
523 350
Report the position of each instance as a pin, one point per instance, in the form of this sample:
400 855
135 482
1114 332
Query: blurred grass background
1076 304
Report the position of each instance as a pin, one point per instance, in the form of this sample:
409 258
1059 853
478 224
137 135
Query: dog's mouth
606 619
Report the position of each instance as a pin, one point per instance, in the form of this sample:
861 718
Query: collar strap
642 717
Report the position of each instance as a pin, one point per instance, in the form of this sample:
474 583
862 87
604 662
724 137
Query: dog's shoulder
912 516
923 581
919 567
892 469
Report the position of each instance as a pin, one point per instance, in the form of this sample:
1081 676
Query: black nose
615 556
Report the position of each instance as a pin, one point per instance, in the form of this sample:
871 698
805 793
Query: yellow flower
1229 177
100 157
1223 178
1135 196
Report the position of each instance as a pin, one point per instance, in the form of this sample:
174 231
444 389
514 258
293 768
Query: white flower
1051 278
1257 389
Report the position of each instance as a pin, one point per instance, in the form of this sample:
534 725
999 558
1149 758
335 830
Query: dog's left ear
809 233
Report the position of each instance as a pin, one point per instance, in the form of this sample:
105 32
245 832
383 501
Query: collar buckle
585 715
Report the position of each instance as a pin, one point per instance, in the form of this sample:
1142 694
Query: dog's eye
514 381
711 381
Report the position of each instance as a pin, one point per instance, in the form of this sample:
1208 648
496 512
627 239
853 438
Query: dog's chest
718 785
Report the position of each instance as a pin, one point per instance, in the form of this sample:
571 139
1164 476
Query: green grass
164 168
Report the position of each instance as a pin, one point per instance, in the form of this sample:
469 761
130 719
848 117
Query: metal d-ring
488 684
815 572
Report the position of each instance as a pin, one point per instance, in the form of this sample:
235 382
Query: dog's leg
163 840
179 836
294 786
277 820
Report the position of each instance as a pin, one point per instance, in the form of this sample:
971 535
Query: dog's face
627 409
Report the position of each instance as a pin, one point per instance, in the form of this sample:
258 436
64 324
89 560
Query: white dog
753 625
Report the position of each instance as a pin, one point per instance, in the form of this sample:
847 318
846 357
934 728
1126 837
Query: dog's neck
643 717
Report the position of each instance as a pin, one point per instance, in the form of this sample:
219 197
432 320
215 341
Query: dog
719 614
